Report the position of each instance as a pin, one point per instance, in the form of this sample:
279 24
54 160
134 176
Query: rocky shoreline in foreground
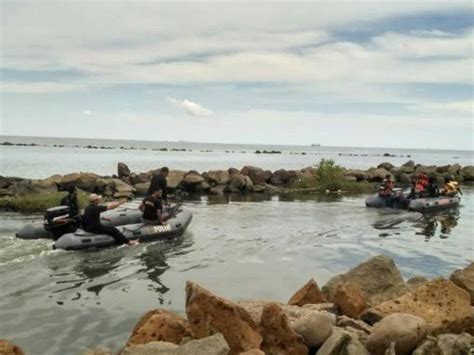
368 310
127 184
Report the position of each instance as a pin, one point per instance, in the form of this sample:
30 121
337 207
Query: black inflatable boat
54 226
175 227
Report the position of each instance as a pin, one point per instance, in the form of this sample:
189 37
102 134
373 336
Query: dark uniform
91 223
152 209
70 200
158 182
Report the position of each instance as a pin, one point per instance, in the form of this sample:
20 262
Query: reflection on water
440 223
270 244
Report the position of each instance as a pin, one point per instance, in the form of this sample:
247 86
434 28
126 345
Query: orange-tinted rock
309 293
208 314
442 304
378 277
350 300
464 278
8 348
278 337
160 325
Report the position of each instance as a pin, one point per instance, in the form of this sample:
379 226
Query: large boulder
401 177
385 165
255 309
97 351
160 325
175 178
142 188
122 170
8 348
454 169
441 303
405 330
416 281
283 177
122 189
83 181
408 167
464 278
359 175
217 177
377 175
257 175
237 183
467 173
350 300
212 345
309 293
315 328
208 314
192 177
429 170
26 187
446 344
378 278
141 178
278 337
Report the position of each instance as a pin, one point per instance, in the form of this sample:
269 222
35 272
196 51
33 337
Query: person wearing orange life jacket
421 183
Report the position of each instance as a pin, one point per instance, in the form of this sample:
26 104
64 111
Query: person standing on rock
91 220
159 182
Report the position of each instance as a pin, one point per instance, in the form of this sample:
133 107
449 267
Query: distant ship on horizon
315 145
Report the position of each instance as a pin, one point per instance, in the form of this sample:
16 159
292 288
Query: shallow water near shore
255 246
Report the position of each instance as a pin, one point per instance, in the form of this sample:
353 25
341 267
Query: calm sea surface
44 161
58 302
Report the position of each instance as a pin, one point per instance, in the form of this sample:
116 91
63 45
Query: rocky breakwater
127 184
368 310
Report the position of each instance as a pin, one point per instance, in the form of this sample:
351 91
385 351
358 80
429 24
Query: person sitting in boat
152 208
414 193
91 220
421 183
70 200
451 187
432 189
386 187
158 181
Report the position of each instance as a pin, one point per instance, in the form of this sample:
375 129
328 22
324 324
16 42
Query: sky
341 73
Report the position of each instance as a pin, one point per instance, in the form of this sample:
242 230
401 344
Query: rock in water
257 175
8 348
315 328
405 330
218 177
208 313
175 178
464 278
442 304
416 282
122 170
278 337
160 325
350 300
378 278
309 293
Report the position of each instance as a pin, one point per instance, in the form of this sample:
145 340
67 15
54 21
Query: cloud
192 108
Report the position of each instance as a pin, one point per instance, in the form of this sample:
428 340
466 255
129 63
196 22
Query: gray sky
394 74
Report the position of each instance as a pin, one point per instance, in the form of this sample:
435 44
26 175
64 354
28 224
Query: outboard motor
58 221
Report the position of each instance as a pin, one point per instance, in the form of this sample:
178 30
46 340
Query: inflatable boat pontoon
117 217
175 227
